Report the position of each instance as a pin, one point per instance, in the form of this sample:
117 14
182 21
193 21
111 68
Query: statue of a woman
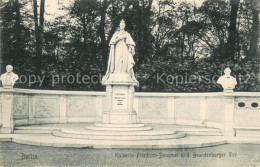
121 53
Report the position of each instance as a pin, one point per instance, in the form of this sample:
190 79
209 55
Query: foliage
186 46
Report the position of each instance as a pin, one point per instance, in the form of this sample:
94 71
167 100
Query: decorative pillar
229 116
63 109
31 119
99 104
8 80
171 111
7 111
203 108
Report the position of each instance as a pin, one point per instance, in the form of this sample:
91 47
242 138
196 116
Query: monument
120 80
227 81
9 78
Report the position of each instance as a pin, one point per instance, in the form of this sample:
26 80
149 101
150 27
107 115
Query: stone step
36 128
134 133
53 141
119 125
204 133
247 132
198 129
119 128
248 128
118 133
117 137
33 131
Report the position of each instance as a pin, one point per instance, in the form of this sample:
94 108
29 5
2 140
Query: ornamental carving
20 106
247 103
80 107
153 109
46 107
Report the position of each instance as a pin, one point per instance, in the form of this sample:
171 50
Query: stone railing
219 110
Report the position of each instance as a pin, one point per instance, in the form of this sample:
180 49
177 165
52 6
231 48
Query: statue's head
9 68
227 71
122 25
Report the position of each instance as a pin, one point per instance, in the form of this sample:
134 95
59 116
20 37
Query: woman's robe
121 53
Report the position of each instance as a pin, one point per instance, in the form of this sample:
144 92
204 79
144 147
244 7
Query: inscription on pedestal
119 100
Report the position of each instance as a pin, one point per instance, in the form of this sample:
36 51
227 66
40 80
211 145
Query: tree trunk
1 42
254 34
231 43
36 25
19 48
182 46
103 43
39 25
84 24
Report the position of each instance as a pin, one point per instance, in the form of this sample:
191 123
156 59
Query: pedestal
7 112
120 97
229 116
228 90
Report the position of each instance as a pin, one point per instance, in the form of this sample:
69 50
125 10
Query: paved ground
13 155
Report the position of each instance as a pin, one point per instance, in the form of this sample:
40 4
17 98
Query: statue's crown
122 21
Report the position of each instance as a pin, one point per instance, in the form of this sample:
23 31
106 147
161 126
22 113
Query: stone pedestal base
7 112
120 118
228 90
120 97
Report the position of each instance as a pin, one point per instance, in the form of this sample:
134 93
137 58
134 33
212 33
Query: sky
51 6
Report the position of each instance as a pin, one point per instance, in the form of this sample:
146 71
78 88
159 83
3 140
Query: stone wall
247 112
39 107
219 110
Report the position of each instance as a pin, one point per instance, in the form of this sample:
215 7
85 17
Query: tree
1 40
14 36
103 7
216 16
254 34
232 37
175 38
39 30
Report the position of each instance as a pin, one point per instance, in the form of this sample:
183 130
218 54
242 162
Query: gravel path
12 154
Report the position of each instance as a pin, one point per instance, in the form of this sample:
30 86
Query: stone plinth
120 96
7 111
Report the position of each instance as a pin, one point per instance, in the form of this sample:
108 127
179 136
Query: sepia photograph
129 83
